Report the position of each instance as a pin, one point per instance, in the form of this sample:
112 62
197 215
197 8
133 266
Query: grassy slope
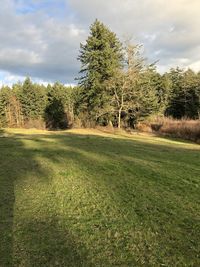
84 198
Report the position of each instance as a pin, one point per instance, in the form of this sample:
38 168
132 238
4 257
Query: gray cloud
169 29
45 46
38 45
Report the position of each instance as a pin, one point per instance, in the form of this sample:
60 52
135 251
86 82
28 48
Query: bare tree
122 86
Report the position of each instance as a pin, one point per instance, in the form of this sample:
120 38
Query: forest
115 86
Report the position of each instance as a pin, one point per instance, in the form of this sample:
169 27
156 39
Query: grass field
87 198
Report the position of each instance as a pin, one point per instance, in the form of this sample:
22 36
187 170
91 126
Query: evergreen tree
5 93
184 100
99 57
10 108
33 100
175 106
190 95
149 93
158 84
59 109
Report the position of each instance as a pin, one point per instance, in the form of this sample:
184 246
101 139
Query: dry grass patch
185 129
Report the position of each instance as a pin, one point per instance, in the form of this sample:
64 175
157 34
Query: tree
5 93
147 97
33 100
59 109
99 57
10 108
159 84
175 106
198 92
190 94
184 100
130 88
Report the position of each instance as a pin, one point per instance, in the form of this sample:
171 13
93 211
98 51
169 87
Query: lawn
88 198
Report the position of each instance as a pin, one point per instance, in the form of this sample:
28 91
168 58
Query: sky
41 38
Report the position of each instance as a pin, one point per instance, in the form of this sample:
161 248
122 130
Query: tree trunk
119 118
110 124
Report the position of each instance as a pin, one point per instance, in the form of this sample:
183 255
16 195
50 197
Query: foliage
99 57
32 99
4 101
29 105
184 98
59 107
132 90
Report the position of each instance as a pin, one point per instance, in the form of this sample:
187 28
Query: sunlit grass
88 198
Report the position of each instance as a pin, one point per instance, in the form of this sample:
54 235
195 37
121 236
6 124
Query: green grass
85 198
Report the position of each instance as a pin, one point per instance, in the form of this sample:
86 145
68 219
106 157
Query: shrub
184 128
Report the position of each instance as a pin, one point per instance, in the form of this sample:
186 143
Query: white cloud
195 65
9 79
37 45
46 46
170 27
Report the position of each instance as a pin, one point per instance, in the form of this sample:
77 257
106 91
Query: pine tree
184 100
190 99
5 93
33 100
99 57
10 108
175 106
147 101
59 109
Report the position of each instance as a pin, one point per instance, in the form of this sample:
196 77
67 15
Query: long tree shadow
139 181
123 184
49 244
7 199
29 234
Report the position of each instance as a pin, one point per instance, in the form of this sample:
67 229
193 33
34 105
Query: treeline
32 105
115 87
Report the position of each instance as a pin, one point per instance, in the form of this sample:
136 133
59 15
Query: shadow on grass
7 199
153 185
141 182
49 245
31 240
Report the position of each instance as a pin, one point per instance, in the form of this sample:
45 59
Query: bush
186 129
